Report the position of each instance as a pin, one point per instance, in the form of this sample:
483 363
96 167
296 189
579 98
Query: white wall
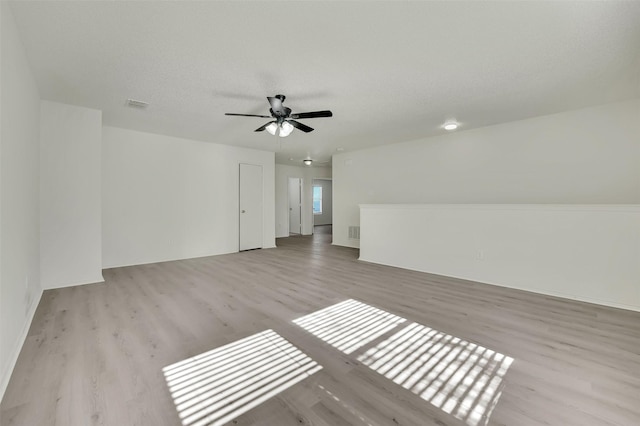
585 252
20 288
167 198
283 173
325 218
70 195
587 156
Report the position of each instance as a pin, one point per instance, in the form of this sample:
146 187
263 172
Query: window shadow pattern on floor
459 377
217 386
349 325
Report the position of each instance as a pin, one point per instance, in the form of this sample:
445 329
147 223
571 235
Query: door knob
242 211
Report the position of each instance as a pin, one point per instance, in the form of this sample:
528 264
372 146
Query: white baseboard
8 369
601 302
581 252
98 279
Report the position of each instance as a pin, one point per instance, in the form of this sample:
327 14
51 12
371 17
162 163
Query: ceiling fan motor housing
282 115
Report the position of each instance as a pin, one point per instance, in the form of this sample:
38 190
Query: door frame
301 181
313 216
240 204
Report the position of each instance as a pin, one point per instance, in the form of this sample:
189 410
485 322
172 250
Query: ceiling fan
307 161
284 121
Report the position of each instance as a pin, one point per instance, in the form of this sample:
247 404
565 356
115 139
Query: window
317 200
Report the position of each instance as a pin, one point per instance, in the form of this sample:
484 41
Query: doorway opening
322 205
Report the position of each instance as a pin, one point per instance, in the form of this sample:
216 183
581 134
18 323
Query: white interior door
295 205
250 207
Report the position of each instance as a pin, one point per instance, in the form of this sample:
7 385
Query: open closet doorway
322 205
295 206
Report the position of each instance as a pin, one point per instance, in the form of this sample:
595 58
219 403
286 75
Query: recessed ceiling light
340 149
450 125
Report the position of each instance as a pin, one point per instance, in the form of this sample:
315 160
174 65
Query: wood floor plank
95 354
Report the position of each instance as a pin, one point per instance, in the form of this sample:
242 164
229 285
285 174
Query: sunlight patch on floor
349 325
461 378
217 386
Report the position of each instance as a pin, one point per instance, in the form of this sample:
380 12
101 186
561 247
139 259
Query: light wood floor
95 354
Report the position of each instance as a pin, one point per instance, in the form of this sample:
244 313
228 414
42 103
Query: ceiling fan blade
261 128
247 115
314 114
276 106
300 126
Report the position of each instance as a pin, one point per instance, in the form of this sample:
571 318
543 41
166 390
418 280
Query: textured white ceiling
389 71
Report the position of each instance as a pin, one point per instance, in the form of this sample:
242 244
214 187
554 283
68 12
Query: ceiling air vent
137 104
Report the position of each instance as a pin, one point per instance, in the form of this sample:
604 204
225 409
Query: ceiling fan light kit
307 162
285 129
272 128
284 122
